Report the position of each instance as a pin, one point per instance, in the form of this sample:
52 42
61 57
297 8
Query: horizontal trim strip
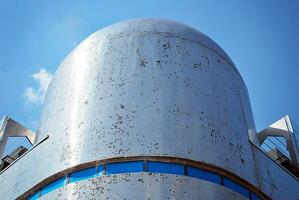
151 164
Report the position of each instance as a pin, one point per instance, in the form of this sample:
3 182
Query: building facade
147 109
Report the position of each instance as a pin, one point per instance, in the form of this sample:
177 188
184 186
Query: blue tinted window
125 167
100 170
54 185
236 187
34 196
255 197
169 168
205 175
82 174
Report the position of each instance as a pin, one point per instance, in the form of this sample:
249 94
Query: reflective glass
82 174
169 168
202 174
100 170
54 185
236 187
124 167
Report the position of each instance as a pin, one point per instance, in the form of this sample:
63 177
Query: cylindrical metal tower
148 90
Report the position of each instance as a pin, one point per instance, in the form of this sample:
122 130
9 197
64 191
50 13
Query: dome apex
160 26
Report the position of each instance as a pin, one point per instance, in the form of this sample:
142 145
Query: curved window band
137 166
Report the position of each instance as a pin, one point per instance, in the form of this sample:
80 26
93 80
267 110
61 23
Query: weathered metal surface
144 186
142 87
148 87
275 181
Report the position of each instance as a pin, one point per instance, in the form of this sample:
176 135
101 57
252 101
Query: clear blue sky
261 37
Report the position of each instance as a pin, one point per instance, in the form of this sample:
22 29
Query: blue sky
261 37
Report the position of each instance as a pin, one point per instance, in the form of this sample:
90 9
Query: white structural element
11 128
283 128
150 109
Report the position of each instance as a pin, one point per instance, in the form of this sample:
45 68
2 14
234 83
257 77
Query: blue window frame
34 196
82 174
255 197
236 187
124 167
202 174
54 185
169 168
100 170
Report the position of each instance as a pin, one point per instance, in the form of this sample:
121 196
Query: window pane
255 197
205 175
34 196
236 187
54 185
82 174
169 168
125 167
100 170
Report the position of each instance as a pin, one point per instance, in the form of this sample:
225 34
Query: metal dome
139 86
161 26
145 87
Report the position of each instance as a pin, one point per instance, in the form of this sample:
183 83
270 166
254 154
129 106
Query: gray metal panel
143 186
24 174
273 180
